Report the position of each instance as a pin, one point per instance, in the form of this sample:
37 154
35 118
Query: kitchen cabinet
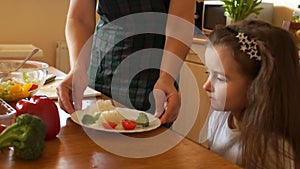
195 103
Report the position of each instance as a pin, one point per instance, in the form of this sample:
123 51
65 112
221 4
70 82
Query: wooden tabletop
77 147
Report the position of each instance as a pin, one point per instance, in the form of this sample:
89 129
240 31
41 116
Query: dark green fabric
108 53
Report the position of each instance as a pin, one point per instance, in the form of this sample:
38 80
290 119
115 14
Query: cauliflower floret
111 116
105 105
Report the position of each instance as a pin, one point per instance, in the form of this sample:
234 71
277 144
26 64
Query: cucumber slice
142 120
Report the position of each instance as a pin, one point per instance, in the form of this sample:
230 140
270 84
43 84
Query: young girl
254 88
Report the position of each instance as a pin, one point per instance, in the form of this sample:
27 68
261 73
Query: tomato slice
109 125
33 87
129 124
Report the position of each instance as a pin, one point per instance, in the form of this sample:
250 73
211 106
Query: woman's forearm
179 35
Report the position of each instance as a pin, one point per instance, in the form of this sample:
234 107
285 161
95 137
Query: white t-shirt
223 140
226 142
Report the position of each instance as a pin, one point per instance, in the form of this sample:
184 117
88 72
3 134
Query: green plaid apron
109 54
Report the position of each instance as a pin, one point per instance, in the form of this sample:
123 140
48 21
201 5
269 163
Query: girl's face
226 85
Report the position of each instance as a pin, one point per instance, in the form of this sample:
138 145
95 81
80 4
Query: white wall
42 22
37 22
287 3
283 10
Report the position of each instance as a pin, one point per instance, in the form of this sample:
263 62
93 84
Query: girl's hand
167 99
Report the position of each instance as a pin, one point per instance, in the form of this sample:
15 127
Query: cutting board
49 90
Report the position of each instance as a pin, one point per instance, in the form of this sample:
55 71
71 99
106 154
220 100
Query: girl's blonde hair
270 123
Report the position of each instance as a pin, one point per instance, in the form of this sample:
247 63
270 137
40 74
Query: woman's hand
70 91
80 26
167 99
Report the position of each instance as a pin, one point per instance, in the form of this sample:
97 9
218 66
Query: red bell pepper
2 127
43 107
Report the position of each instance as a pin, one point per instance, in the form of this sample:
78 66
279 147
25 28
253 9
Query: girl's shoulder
217 119
218 122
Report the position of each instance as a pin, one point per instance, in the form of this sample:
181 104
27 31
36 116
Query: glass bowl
16 85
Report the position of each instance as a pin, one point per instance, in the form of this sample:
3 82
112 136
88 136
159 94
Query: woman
106 58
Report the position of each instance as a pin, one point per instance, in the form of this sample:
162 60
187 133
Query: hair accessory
248 46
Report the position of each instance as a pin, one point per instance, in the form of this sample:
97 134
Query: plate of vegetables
104 116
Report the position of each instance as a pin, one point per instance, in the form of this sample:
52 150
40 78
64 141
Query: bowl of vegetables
16 85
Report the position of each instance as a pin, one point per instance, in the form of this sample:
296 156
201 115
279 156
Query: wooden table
73 149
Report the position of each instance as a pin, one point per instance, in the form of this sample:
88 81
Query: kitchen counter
74 148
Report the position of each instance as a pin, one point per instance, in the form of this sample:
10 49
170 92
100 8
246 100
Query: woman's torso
127 50
114 9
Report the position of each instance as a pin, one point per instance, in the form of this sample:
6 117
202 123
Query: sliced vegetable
13 90
142 120
109 125
112 116
33 87
88 119
129 124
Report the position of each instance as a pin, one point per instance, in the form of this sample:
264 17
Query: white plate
127 113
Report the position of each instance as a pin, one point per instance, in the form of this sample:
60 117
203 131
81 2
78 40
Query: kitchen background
42 23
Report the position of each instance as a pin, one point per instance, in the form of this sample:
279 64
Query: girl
254 88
